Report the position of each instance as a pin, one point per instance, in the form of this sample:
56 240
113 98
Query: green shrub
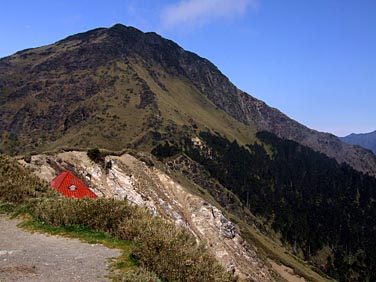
170 252
18 185
132 227
96 156
165 151
139 275
100 214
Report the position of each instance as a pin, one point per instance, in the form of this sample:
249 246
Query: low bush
174 254
139 275
100 214
95 155
165 151
169 251
18 186
99 157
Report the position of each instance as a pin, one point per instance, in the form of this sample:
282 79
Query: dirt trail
34 257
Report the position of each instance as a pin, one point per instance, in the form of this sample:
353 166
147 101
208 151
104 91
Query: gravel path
34 257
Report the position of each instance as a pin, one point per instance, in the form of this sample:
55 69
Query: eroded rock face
150 187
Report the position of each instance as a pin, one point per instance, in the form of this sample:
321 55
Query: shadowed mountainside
366 140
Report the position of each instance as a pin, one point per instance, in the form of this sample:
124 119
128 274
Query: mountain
298 197
366 140
120 87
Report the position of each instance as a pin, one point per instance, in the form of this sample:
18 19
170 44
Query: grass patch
6 208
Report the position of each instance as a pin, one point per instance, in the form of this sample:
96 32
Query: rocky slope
120 87
150 187
366 140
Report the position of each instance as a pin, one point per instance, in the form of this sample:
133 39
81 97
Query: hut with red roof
70 186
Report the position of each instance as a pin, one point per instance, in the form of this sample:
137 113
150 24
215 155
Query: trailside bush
139 275
100 214
18 185
170 252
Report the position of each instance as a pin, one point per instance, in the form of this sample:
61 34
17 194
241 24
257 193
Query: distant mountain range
366 140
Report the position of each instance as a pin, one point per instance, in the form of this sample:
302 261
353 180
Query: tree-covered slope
323 211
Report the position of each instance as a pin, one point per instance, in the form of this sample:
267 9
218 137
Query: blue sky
314 60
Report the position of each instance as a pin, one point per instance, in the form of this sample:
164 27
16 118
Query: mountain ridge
365 140
149 58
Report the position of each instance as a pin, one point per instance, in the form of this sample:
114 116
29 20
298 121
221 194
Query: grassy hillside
80 93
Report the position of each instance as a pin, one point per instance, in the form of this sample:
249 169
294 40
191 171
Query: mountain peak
123 30
78 81
120 26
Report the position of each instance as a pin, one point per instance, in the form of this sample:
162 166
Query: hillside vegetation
159 247
323 211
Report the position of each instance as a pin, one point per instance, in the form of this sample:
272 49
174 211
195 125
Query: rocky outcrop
150 187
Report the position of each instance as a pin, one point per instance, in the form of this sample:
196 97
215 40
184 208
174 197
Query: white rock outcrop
130 178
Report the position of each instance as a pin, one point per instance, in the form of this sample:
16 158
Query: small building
69 185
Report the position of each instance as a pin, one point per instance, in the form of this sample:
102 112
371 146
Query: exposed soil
34 257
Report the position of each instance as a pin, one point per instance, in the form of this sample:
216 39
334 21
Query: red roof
69 185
